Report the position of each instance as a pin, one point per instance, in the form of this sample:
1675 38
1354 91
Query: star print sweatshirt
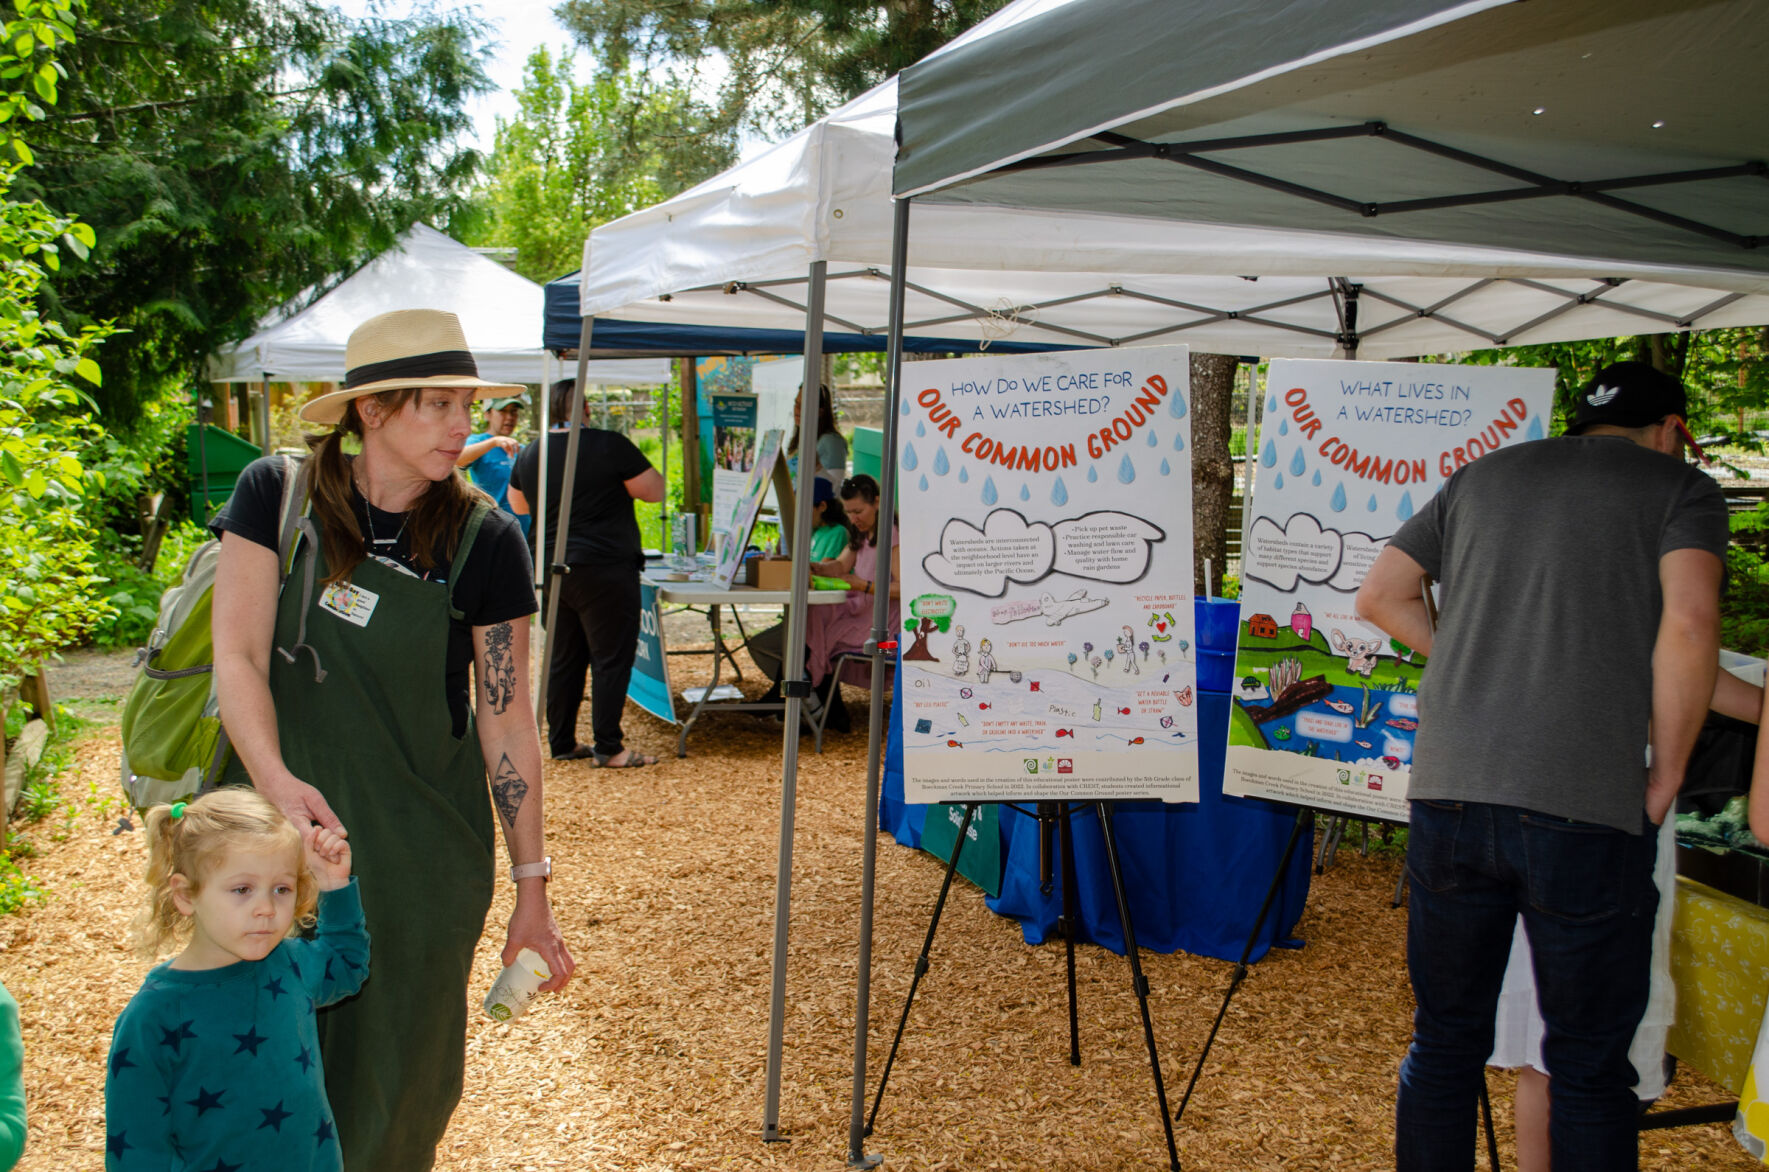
219 1071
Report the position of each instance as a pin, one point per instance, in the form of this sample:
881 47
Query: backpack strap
296 525
468 535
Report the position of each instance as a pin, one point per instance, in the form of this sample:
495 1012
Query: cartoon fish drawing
965 692
955 744
1065 732
1123 712
1404 723
1340 706
1184 696
982 706
1134 741
1362 744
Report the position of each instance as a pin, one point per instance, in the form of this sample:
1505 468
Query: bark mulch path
654 1056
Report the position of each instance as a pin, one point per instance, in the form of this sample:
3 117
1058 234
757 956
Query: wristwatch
540 870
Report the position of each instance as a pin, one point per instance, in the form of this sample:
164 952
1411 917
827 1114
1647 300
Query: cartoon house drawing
1301 622
1261 626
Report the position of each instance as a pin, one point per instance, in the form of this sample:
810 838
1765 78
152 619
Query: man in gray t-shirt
1579 625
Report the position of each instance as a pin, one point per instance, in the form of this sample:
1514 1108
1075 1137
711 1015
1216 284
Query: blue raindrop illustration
1269 457
1372 505
1298 465
1179 443
1176 405
924 482
1059 493
1283 427
1405 508
964 476
1535 429
1025 492
1126 470
1279 482
990 496
1165 468
1092 474
909 458
1317 478
920 428
941 466
1338 501
1271 404
1153 438
905 410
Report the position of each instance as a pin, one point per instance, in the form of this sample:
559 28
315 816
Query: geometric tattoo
507 791
500 668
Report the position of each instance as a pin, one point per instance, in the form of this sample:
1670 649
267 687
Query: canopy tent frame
1124 148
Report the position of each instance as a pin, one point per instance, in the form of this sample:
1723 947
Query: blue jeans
1587 900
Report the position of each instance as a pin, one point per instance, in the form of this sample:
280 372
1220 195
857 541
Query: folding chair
841 661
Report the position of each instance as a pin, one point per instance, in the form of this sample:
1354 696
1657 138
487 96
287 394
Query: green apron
375 737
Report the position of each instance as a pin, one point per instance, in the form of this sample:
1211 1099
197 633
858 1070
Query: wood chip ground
654 1056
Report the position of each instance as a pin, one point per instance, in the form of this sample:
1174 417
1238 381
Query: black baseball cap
1628 394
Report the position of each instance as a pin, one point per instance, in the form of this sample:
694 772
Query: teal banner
980 860
649 686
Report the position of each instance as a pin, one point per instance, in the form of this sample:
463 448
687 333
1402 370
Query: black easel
1051 814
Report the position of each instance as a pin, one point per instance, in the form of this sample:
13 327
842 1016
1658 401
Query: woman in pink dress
846 625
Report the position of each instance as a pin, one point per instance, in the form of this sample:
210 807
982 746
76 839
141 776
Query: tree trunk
1213 472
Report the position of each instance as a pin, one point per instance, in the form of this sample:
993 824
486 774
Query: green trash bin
215 458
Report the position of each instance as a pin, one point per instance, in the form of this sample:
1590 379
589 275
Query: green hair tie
178 810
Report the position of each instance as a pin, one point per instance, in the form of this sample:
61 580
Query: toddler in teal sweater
214 1064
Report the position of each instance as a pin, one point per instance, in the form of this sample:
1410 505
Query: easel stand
1051 816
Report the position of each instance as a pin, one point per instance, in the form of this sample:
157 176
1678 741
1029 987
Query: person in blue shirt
215 1063
491 454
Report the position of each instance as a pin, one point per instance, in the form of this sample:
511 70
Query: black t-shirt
603 529
496 581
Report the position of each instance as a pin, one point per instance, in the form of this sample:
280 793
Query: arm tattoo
500 668
507 790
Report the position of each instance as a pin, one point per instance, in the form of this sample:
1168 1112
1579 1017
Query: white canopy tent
803 234
500 311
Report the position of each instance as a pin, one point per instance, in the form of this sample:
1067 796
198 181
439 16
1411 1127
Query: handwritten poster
1047 578
1325 708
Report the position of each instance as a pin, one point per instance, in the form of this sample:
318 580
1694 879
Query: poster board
980 860
1046 561
1324 711
734 448
649 686
734 529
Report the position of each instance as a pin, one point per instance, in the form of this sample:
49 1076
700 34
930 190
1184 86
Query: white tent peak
501 313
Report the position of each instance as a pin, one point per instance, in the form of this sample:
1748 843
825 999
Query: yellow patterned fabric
1720 965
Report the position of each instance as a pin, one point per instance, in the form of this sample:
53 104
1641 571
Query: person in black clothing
598 625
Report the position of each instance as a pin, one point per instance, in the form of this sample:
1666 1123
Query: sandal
577 752
635 760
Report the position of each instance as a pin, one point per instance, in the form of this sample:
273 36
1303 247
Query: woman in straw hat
355 714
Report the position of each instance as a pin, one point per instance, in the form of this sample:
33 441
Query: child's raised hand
328 856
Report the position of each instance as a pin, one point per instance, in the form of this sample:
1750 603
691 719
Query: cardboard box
768 573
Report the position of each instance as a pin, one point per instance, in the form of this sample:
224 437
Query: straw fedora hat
405 348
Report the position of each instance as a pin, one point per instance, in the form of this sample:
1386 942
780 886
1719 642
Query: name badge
351 603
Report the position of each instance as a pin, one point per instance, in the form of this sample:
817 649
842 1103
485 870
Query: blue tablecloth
1194 874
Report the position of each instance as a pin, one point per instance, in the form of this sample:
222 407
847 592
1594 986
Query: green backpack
174 746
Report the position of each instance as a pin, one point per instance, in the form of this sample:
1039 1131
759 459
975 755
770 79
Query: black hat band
415 366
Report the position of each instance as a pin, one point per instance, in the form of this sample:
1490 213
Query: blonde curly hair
191 845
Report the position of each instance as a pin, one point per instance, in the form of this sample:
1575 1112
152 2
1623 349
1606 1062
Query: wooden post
691 492
34 690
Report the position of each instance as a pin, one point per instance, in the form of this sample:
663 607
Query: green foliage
1744 610
579 155
783 63
45 538
233 153
131 594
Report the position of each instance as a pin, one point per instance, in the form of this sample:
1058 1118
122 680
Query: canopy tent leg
793 685
883 639
559 569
